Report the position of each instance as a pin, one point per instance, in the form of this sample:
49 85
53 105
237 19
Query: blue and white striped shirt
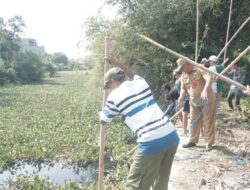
133 100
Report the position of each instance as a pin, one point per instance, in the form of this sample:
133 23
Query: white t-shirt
133 100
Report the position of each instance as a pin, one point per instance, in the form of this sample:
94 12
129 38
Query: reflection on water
57 172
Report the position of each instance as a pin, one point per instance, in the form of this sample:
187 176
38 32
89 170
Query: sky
55 24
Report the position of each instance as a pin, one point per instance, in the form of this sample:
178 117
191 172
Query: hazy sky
55 24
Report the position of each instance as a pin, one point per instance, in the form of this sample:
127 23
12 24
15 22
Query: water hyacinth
57 120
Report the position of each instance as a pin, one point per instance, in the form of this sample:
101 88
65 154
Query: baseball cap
204 60
114 73
213 58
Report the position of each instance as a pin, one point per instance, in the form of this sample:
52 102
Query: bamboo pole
226 79
103 127
236 60
177 113
203 37
197 30
228 28
246 21
225 62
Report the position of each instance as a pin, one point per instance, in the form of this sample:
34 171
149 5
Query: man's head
203 61
184 66
113 78
176 74
213 60
235 67
165 88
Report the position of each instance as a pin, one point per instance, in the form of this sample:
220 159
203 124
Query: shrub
7 75
51 69
29 67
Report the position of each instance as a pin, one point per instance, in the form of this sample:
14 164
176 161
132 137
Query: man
205 62
156 136
239 77
217 83
176 77
171 97
186 108
202 103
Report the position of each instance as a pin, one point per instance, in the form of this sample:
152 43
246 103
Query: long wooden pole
197 30
228 27
103 127
225 62
236 60
226 79
246 21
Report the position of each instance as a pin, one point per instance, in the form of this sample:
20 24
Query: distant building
29 44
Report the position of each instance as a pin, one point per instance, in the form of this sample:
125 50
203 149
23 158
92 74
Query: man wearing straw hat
156 136
202 103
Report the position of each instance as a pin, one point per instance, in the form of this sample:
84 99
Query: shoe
188 145
208 148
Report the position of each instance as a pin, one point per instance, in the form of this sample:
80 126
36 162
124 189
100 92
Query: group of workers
204 92
157 138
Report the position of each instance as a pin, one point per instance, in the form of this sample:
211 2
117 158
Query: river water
55 171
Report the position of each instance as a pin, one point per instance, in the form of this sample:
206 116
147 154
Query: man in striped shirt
156 136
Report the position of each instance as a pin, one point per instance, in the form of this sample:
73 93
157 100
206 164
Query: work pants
151 171
207 120
231 94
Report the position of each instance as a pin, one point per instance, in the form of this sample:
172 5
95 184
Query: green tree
171 23
9 38
60 59
29 67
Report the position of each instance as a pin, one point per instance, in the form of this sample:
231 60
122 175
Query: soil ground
226 166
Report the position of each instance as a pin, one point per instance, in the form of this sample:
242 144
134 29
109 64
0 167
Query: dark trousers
230 97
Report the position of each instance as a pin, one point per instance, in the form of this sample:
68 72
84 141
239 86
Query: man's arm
207 87
242 77
128 72
183 92
247 91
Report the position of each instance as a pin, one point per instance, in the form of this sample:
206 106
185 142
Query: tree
171 23
60 59
29 67
9 38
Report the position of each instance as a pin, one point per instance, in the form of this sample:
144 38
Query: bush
7 75
29 67
51 69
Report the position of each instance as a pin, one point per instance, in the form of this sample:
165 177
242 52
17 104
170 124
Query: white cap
204 60
213 58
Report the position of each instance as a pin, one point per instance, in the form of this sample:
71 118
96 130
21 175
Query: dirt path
227 166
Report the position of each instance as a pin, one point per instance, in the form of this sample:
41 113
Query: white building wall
29 44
